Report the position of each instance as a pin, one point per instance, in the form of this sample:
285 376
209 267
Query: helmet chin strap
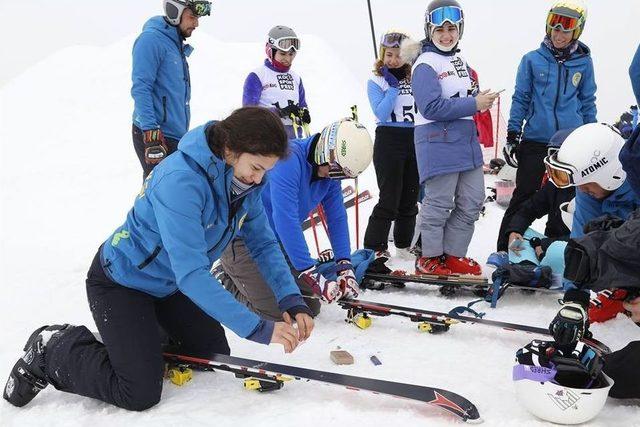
444 48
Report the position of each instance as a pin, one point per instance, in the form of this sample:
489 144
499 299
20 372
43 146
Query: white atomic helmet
173 9
589 154
566 390
346 147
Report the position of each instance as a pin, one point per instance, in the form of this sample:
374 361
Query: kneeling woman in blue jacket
153 272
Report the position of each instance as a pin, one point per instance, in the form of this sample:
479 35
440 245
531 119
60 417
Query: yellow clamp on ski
262 385
180 375
361 320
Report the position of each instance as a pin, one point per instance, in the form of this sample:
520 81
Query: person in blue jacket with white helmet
308 178
154 272
161 85
555 89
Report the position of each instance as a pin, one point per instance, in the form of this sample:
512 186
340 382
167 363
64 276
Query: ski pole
315 233
373 32
357 207
323 218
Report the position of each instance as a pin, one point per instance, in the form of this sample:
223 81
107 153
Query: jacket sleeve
382 102
252 90
587 208
587 95
427 93
521 100
333 204
284 185
534 207
634 74
177 200
147 55
302 96
266 252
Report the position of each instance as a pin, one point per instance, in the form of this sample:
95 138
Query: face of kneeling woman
250 168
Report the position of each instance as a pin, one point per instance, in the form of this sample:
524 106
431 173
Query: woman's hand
285 334
516 242
304 324
484 99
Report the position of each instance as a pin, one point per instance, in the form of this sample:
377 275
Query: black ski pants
394 158
531 169
126 369
138 145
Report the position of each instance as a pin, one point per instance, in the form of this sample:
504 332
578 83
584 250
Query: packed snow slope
69 175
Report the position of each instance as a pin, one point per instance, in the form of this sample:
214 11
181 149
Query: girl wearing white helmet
274 85
448 153
555 89
309 177
394 158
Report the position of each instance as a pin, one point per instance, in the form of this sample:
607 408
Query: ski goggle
325 153
200 8
285 44
392 39
561 174
562 22
441 15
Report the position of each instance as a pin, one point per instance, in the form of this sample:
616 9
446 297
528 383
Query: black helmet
440 11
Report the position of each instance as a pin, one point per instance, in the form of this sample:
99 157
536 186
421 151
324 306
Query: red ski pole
357 216
315 233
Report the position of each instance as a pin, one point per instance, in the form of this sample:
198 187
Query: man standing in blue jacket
309 177
161 87
555 89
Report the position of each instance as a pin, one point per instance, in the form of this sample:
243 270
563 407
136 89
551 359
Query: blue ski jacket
181 223
161 87
634 74
551 95
620 203
292 192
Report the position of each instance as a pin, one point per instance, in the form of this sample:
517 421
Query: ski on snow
358 311
266 376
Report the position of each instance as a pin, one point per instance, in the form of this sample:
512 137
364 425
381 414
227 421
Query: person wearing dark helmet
161 85
275 86
153 272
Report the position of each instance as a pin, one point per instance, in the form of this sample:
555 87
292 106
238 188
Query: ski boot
463 266
432 266
28 376
606 305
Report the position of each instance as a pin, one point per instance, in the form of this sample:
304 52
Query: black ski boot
28 377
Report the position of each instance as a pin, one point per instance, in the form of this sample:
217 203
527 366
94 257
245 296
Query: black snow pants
531 169
394 158
138 145
128 369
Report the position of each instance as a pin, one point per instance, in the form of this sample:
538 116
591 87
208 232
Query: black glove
605 222
305 116
290 109
510 150
571 323
155 146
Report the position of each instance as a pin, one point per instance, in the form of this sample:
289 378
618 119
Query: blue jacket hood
158 23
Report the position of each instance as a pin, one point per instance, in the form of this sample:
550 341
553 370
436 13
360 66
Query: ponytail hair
254 130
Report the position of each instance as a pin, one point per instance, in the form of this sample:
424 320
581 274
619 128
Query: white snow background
69 175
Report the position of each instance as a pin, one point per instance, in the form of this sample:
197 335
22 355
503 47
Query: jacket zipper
164 109
555 104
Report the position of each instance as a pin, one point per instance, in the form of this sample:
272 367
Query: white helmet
589 154
173 9
566 212
559 389
346 147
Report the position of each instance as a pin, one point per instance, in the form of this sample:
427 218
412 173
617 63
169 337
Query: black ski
362 197
276 374
356 307
449 284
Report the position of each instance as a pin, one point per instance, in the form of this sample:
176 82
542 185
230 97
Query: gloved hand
327 290
290 109
325 256
604 222
389 78
305 116
347 280
155 147
571 323
510 150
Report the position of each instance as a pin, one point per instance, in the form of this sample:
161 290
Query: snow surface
69 175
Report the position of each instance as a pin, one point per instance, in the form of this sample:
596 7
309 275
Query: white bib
453 76
278 89
404 109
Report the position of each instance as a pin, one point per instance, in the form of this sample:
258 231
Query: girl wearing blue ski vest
555 89
154 272
446 142
274 85
394 157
